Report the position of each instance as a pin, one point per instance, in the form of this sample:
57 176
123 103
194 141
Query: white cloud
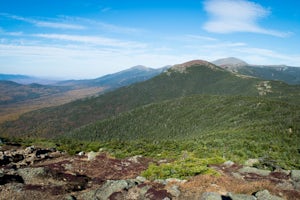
267 56
228 16
93 40
200 37
41 23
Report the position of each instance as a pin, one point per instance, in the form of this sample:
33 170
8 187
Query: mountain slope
196 77
195 117
232 126
116 80
287 74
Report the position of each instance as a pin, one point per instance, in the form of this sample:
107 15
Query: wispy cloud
200 37
48 24
228 16
96 24
93 40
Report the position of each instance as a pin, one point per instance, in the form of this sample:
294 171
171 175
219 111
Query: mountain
112 81
229 62
23 79
287 74
195 77
12 92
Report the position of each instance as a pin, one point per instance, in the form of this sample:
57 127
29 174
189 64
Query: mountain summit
230 62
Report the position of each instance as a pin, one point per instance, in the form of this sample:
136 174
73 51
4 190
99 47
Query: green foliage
186 167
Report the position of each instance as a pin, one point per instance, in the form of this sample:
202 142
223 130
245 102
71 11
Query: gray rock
140 179
297 185
160 181
175 180
295 175
241 197
237 175
30 174
174 191
92 155
70 197
228 163
110 187
211 196
285 186
251 162
261 172
265 195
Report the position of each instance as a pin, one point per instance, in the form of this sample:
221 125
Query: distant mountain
287 74
195 77
11 92
229 62
23 79
112 81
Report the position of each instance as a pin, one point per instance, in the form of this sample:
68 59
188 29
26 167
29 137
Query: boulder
31 174
265 195
295 175
251 162
174 190
211 196
260 172
92 155
240 197
228 163
110 187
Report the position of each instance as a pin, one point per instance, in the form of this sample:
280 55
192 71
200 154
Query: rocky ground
36 173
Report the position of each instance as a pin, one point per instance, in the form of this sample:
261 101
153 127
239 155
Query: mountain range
194 77
287 74
195 106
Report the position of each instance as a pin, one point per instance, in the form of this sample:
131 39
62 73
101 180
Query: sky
91 38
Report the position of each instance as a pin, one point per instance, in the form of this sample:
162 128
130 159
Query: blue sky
91 38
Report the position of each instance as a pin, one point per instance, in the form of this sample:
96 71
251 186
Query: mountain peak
183 66
140 67
229 62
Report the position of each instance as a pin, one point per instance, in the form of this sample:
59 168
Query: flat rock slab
252 170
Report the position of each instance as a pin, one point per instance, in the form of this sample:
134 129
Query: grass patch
185 167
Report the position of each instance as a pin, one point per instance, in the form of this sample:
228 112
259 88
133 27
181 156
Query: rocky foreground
36 173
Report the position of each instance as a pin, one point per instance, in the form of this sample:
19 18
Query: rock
211 196
248 170
228 163
295 175
140 179
237 175
285 186
135 159
138 192
92 155
70 197
174 191
160 181
110 187
297 185
30 174
29 150
251 162
175 180
240 197
265 195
